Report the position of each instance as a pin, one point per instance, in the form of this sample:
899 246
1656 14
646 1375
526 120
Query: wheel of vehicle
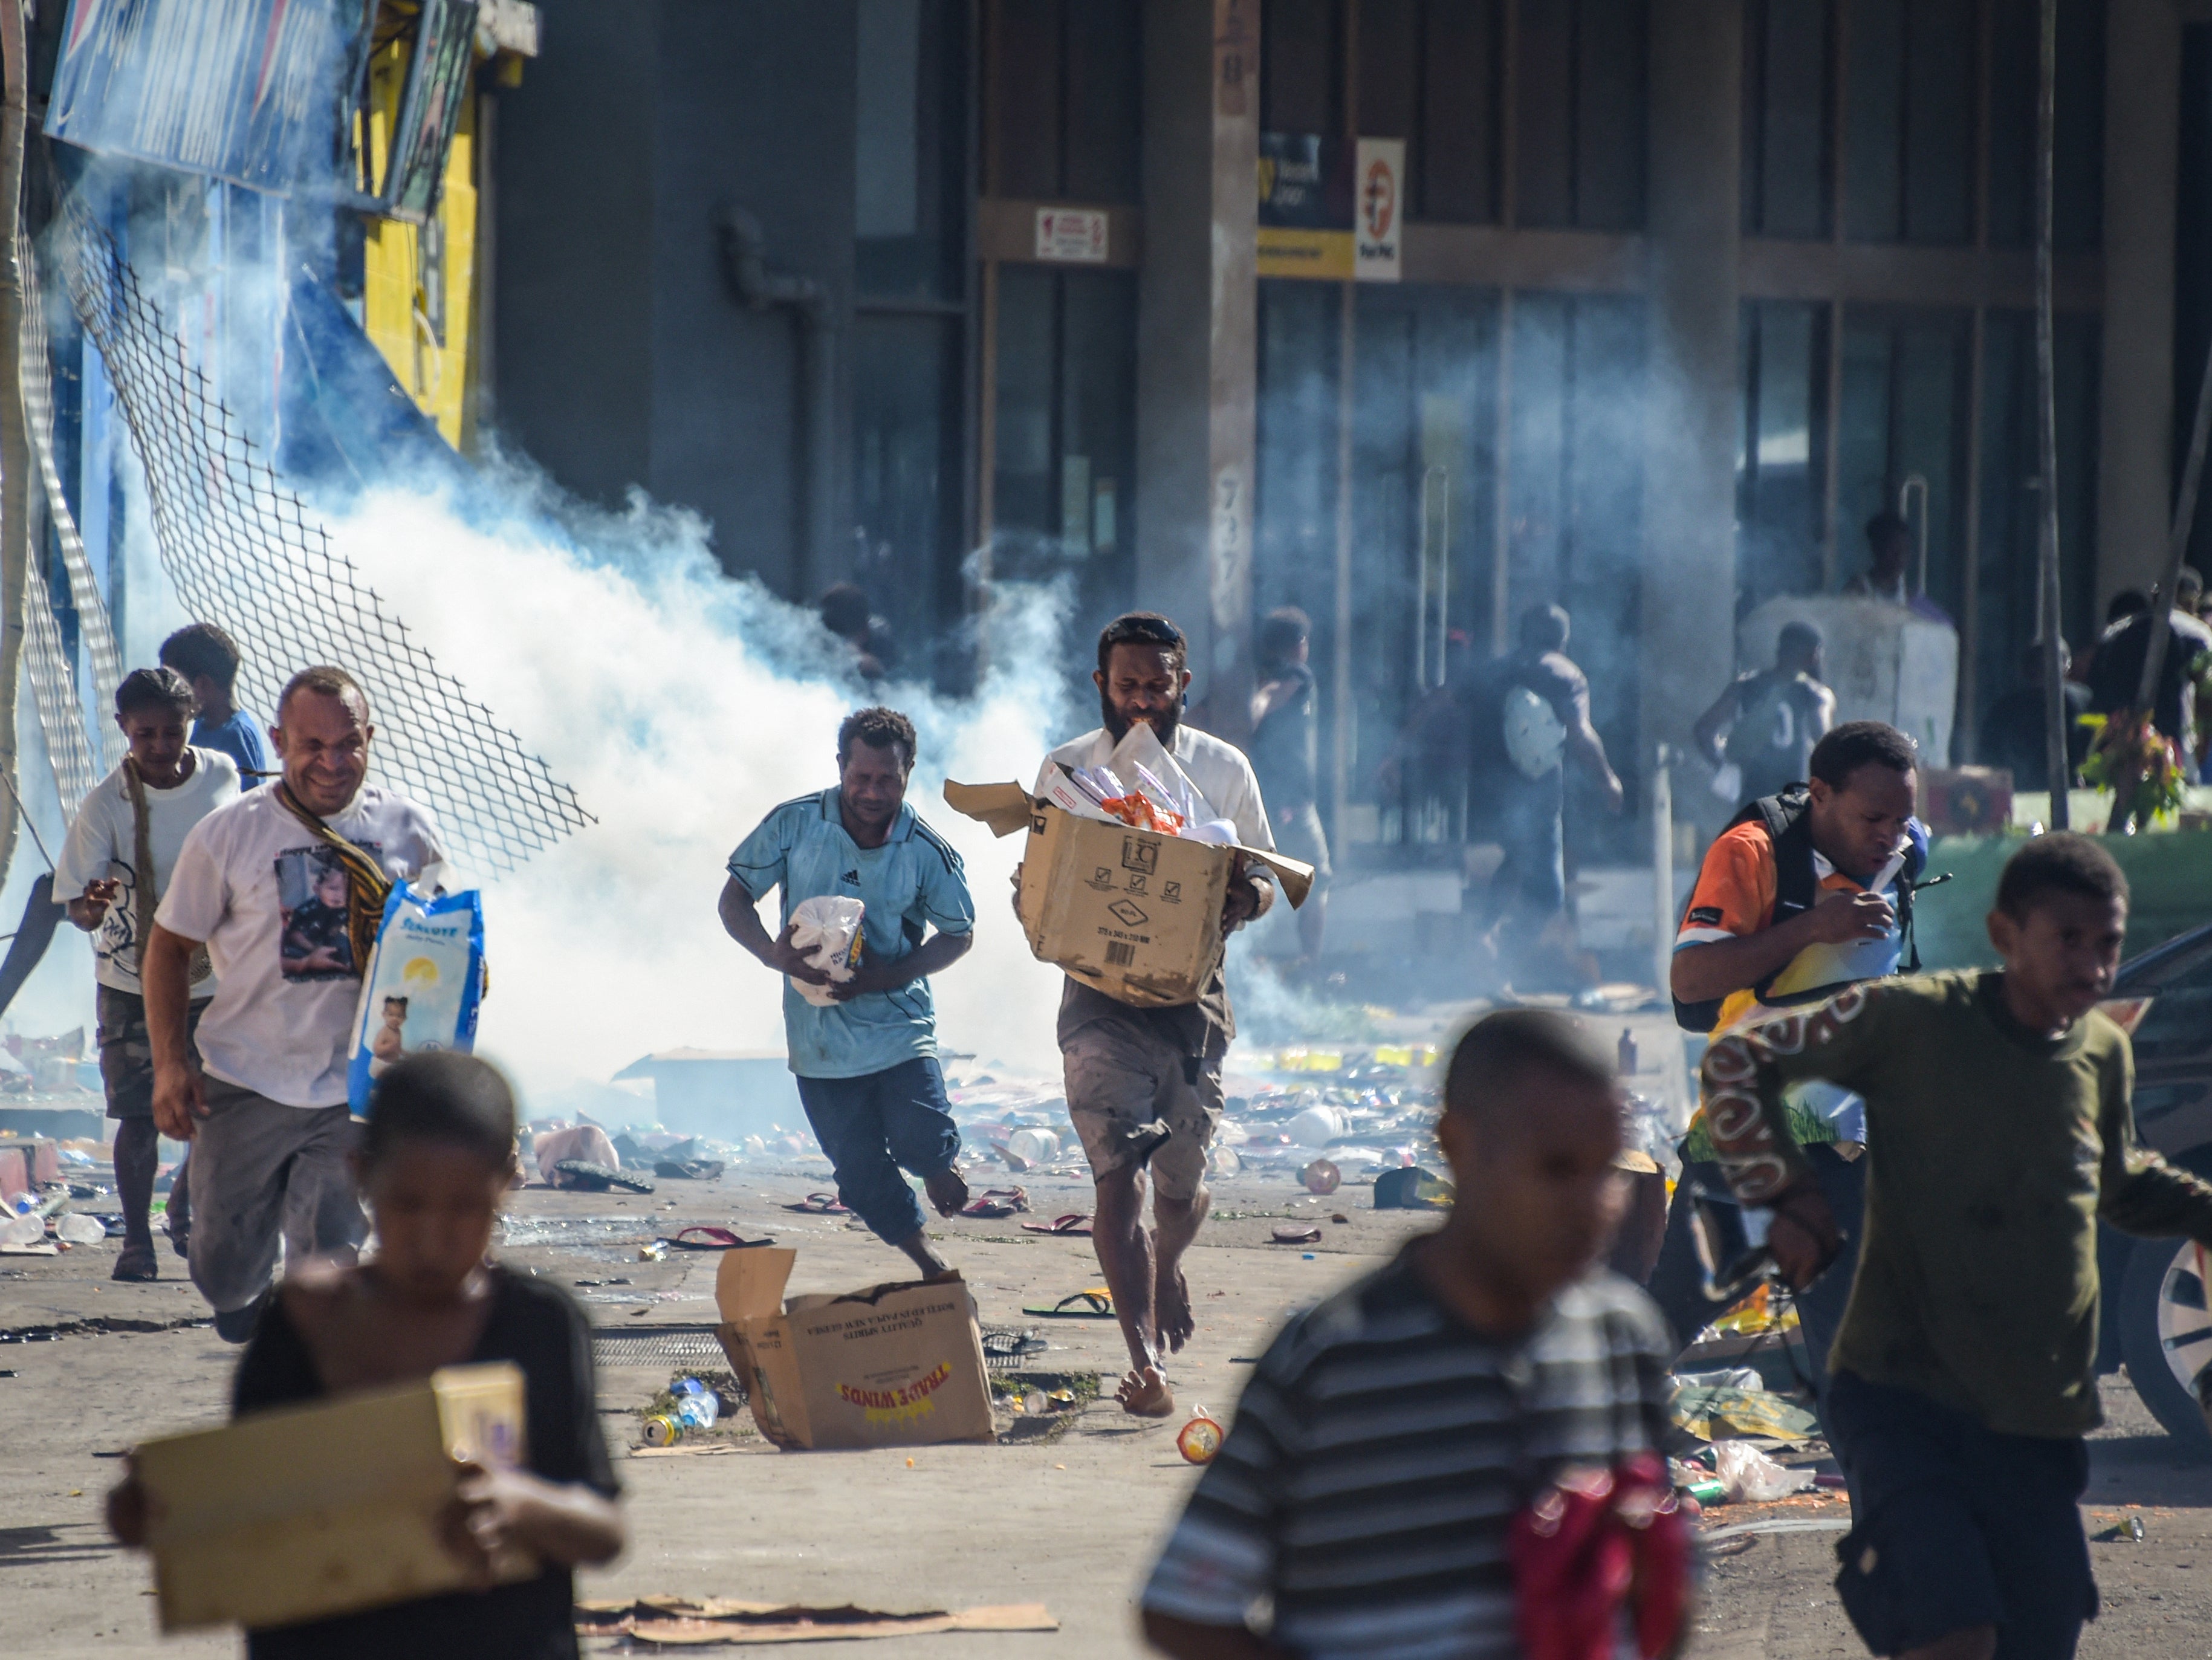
2165 1333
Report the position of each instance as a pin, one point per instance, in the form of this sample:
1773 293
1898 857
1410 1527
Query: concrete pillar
1195 343
2135 460
1689 582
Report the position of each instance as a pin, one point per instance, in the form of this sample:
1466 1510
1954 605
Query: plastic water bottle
697 1406
22 1231
76 1228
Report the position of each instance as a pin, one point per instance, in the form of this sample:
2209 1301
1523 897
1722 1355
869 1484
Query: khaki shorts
1121 1075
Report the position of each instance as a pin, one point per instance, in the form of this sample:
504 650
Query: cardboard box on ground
1134 913
898 1364
304 1513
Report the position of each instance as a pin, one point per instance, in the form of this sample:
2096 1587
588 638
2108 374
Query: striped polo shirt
1360 1504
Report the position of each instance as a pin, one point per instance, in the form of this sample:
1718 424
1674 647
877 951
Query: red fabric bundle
1593 1542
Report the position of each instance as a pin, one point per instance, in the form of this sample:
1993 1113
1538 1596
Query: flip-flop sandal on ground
988 1207
1096 1303
1074 1222
1297 1233
821 1204
1010 1345
701 1237
689 1170
589 1177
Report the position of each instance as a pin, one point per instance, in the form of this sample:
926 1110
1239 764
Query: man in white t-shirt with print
276 886
1144 1085
120 849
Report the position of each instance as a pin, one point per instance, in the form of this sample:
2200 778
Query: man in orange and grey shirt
1799 898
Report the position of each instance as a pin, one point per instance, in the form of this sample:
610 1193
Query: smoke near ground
682 705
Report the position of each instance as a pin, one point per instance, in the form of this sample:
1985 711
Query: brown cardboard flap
1007 808
749 1286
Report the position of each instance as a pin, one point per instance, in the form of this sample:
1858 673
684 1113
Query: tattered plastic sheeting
245 90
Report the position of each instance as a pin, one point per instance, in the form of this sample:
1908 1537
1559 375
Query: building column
1687 645
2136 440
1197 296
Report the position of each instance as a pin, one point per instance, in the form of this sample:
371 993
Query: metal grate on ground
243 553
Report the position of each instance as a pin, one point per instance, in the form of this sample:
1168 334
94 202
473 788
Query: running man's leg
126 1073
1191 1105
1116 1075
1820 1305
322 1204
919 1130
239 1157
847 1117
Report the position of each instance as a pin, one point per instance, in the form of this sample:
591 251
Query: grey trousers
262 1171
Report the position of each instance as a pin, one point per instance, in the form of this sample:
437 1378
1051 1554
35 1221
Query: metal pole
2177 550
2046 411
15 440
1663 873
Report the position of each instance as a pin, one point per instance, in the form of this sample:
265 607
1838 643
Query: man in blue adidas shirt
867 1064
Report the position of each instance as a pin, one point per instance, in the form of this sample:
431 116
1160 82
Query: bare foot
1146 1394
946 1191
1171 1310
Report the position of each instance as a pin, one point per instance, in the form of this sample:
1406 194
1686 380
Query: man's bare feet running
1171 1309
1144 1393
946 1191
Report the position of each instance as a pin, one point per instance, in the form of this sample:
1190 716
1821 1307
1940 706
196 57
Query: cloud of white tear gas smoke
661 690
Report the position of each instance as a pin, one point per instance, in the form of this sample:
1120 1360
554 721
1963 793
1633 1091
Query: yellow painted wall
395 315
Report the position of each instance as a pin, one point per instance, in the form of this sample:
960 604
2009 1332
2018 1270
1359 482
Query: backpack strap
1788 827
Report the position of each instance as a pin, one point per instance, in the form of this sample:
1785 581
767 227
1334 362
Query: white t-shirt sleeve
1246 809
89 849
198 895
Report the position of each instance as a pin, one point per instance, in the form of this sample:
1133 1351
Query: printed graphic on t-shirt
118 937
313 890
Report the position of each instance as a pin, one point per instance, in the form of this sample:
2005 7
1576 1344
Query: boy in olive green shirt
2000 1129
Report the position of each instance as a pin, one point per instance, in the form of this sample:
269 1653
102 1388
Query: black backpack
1788 825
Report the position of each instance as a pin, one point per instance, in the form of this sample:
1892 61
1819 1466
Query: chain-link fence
244 554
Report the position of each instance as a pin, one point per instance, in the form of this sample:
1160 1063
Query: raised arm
1706 734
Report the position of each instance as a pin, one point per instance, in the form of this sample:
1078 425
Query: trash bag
1752 1477
424 980
826 931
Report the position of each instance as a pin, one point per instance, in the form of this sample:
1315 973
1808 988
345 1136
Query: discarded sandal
1297 1233
996 1202
689 1170
1003 1345
1097 1304
703 1237
585 1176
821 1204
1075 1223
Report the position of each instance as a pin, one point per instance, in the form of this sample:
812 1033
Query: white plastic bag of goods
826 931
424 980
1883 662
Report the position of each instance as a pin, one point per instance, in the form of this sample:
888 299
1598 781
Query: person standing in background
2185 679
115 864
1536 716
207 658
1765 723
1285 756
2013 735
1889 541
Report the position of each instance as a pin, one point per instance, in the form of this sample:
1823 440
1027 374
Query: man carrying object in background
122 847
1144 1085
866 1061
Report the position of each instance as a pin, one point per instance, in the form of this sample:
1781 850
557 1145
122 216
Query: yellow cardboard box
303 1512
1136 915
895 1365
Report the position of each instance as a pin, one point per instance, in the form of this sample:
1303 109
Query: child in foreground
1377 1482
1964 1374
436 1155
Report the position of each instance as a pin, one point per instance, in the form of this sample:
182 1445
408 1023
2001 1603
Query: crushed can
663 1429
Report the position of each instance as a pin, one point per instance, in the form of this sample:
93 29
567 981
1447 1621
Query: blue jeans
1534 870
874 1126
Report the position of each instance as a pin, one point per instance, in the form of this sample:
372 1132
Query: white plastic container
1316 1126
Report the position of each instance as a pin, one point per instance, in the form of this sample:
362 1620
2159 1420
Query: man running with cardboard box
1144 1085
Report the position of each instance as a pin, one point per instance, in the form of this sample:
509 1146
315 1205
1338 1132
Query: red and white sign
1378 209
1075 236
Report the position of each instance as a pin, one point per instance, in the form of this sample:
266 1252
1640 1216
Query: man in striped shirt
1363 1501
